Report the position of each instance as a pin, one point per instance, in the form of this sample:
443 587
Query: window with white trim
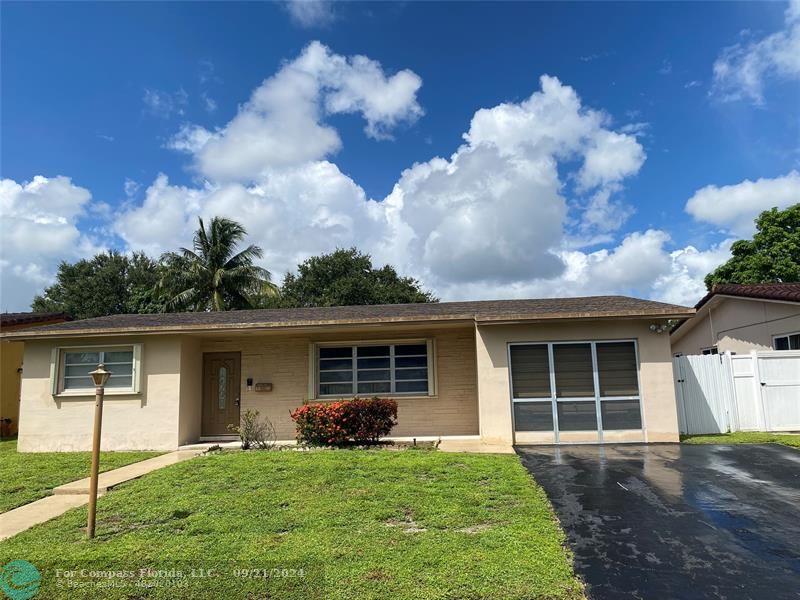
75 364
374 369
575 386
790 341
709 350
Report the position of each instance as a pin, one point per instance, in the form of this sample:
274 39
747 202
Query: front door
221 389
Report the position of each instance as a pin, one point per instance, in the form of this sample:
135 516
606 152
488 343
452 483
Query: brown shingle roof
789 292
481 311
30 318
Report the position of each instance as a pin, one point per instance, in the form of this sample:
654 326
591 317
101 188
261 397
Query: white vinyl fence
759 391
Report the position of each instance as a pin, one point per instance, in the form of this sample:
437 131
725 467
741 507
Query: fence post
758 391
733 401
677 373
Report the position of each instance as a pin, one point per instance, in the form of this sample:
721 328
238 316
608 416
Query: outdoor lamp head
100 375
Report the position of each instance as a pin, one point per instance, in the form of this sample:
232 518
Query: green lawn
342 524
743 437
28 476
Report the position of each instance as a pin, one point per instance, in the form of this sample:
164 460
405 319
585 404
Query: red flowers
334 423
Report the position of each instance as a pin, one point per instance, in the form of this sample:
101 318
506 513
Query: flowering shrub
334 423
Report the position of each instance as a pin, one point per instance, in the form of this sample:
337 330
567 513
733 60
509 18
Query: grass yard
25 477
331 524
743 437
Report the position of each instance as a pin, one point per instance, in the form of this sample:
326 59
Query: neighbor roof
481 311
30 318
783 292
788 292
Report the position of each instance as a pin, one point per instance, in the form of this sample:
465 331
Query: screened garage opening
574 391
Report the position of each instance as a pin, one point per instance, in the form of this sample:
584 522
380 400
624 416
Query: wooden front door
221 392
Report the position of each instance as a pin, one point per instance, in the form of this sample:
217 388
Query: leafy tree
347 277
772 255
214 276
107 284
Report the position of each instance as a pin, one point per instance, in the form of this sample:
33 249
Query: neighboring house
11 364
741 318
574 370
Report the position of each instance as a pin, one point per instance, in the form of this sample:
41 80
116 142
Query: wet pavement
677 521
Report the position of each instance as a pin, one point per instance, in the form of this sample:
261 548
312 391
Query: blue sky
664 129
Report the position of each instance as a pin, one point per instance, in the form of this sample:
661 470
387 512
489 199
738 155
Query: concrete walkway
76 493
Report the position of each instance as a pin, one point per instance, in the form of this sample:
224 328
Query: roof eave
295 325
233 328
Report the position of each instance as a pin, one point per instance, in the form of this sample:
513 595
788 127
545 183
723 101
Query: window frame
58 363
709 351
787 336
596 398
314 371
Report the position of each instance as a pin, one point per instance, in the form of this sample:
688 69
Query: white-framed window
787 341
709 350
575 386
71 366
374 369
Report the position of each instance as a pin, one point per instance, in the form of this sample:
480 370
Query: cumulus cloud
502 216
310 13
683 283
741 70
491 215
282 124
641 265
38 228
292 215
735 207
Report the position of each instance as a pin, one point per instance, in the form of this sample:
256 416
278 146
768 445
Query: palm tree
214 276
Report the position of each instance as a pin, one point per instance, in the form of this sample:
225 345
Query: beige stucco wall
10 361
145 421
739 325
655 374
283 360
470 364
191 390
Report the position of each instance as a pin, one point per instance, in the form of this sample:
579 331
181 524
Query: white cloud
281 125
741 70
209 104
38 229
493 214
310 13
610 158
603 214
503 216
292 215
165 104
735 207
683 284
131 187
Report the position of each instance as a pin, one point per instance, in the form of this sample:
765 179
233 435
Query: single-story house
569 370
742 318
11 364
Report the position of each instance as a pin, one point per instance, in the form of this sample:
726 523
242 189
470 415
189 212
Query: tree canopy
773 255
347 277
109 283
215 275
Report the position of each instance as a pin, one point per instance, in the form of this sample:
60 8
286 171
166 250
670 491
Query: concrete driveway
677 521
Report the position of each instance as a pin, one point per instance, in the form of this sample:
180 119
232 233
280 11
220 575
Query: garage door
575 391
